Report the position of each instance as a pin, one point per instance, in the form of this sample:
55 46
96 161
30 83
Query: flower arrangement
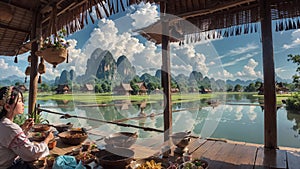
56 41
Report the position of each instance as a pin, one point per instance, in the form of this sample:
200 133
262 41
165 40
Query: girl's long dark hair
14 96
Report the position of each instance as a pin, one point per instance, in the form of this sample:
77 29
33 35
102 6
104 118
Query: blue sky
237 57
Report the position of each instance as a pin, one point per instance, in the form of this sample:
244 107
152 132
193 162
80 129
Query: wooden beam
14 28
36 27
218 8
270 113
166 73
70 7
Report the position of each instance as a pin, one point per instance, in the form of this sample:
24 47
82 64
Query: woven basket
54 56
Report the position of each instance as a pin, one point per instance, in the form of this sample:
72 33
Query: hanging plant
54 49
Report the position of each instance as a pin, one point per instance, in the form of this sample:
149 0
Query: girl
15 147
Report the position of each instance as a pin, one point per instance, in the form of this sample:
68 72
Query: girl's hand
49 137
27 124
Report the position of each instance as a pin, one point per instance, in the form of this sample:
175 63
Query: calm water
237 117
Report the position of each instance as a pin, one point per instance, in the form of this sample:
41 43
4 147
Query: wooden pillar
270 116
166 72
36 27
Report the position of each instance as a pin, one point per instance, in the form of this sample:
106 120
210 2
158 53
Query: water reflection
238 117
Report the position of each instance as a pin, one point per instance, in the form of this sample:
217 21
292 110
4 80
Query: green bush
293 103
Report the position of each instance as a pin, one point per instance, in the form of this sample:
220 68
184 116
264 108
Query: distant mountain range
102 65
12 80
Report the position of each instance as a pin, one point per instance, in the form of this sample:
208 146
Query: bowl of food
63 127
151 162
50 159
40 127
76 151
118 158
38 136
86 146
194 164
40 162
73 138
121 139
85 157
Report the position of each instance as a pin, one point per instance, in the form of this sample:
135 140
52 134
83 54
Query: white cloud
249 71
9 70
187 56
252 113
223 75
236 61
295 40
144 11
241 50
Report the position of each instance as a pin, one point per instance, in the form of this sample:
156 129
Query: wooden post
270 115
166 72
36 27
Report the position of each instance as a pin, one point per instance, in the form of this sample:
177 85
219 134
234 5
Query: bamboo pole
102 121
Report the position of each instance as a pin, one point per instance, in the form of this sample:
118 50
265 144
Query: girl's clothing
14 143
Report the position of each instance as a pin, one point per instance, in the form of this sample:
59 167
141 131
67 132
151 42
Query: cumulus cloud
6 70
188 57
223 75
295 37
249 71
144 11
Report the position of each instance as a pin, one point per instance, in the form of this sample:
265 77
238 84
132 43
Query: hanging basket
53 56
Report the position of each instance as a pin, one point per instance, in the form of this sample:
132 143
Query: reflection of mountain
65 105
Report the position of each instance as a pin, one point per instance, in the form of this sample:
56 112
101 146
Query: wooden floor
220 154
231 155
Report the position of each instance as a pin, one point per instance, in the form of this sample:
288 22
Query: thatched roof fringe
76 17
287 24
220 33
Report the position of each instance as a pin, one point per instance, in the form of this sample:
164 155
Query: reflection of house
123 104
87 88
142 88
62 89
280 89
122 89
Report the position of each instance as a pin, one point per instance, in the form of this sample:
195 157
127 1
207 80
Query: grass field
108 97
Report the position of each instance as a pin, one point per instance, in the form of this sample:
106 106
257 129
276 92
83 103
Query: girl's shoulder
9 127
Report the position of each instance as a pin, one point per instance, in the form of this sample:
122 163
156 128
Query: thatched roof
17 19
195 20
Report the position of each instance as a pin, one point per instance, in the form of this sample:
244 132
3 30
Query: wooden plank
202 149
195 144
225 156
269 158
293 160
211 154
244 156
